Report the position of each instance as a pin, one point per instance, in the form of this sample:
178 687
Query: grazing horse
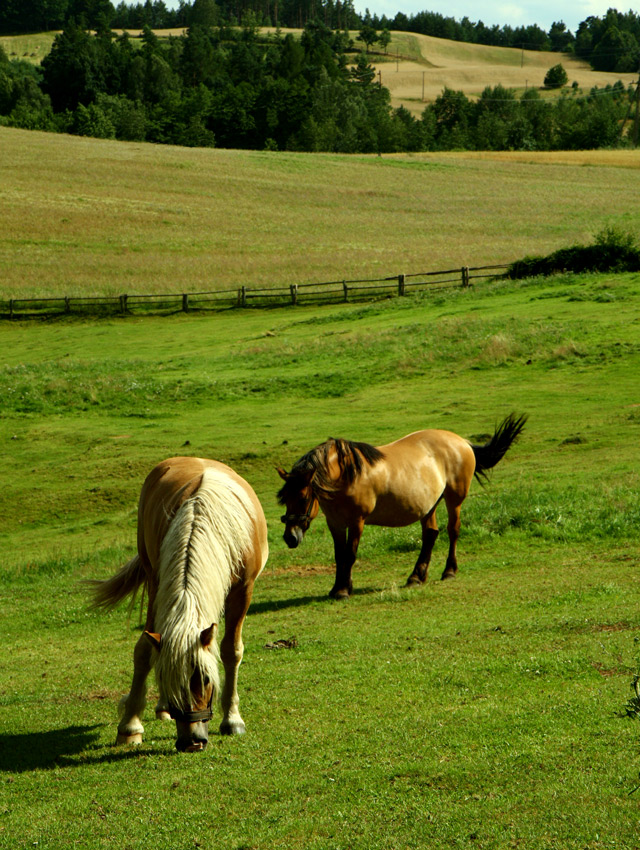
202 542
356 484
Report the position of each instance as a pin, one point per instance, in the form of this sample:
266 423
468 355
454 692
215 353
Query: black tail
491 453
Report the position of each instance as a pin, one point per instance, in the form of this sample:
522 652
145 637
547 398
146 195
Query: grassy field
82 216
485 712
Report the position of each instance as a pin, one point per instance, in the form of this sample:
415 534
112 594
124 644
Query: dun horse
356 484
202 542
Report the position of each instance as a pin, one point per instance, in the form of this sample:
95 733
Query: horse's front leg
231 652
130 728
345 543
429 536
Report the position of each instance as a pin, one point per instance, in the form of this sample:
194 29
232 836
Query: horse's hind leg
453 502
429 536
130 728
231 652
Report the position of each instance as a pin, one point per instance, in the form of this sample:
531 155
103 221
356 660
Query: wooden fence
248 296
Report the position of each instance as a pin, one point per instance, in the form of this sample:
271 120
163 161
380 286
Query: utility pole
637 118
634 132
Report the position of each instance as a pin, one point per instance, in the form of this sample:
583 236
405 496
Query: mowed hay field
426 65
83 216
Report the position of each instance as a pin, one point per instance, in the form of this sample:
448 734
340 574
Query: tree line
21 16
233 88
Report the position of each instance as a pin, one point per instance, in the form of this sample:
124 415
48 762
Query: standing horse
356 484
202 542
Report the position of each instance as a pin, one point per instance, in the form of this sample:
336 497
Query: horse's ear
207 635
154 639
281 472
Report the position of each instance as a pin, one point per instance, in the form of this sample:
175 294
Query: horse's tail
126 582
488 455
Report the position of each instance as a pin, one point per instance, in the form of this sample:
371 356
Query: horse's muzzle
192 737
293 536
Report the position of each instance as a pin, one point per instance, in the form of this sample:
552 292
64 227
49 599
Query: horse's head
189 707
301 505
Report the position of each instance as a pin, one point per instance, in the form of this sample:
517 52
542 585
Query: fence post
185 302
242 296
346 290
123 304
294 293
67 305
401 279
465 275
11 308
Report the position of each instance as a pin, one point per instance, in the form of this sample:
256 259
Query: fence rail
248 296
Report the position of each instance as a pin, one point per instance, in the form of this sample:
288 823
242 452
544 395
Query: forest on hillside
228 85
609 43
231 87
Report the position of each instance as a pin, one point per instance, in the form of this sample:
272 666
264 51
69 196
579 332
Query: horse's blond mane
200 553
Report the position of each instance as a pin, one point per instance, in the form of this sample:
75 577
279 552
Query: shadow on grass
68 747
299 601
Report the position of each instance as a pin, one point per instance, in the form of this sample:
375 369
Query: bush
556 77
613 250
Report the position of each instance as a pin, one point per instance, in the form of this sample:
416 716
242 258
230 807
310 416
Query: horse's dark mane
312 468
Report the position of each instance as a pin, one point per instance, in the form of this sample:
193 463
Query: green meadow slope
489 710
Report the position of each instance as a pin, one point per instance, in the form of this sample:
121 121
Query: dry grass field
83 216
437 63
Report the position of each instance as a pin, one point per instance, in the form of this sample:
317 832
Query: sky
515 13
501 12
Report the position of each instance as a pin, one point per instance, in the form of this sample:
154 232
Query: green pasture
487 712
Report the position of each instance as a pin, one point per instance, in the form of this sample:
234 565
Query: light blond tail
127 581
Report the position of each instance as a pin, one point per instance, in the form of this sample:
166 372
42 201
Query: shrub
556 77
613 250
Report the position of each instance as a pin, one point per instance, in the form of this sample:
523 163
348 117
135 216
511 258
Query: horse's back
415 472
448 451
171 483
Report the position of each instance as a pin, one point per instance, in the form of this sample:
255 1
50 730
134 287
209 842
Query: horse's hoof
135 739
194 748
447 575
340 594
236 728
163 715
413 581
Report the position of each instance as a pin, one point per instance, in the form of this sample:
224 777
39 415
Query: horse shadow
43 750
58 748
299 601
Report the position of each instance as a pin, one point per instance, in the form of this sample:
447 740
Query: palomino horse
202 542
356 484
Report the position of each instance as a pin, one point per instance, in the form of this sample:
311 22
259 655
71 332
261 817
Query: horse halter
205 714
298 519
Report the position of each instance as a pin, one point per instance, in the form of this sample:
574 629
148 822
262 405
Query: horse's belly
393 513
